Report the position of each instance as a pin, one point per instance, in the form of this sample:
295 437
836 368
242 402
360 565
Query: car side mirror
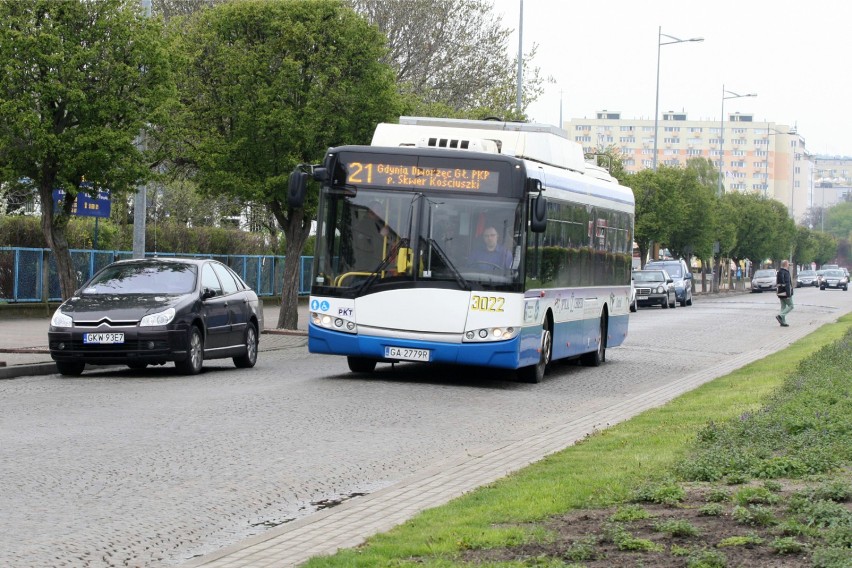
207 293
669 281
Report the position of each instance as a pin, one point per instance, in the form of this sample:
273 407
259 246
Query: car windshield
764 274
144 278
672 269
835 273
807 273
648 276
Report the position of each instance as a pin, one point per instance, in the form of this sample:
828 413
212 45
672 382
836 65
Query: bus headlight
491 334
337 324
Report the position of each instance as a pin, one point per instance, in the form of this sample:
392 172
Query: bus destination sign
419 177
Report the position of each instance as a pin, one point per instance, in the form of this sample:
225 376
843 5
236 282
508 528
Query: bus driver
492 256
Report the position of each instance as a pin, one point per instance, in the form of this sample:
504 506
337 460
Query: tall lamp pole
660 43
725 95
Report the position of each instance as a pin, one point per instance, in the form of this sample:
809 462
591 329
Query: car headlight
160 318
660 289
60 319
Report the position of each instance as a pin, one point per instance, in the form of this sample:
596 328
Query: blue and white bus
407 265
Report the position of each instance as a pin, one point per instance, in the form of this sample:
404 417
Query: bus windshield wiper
368 283
452 267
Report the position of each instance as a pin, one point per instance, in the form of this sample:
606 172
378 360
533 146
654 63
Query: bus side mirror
538 214
297 186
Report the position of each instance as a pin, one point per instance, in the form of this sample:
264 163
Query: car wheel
597 357
634 305
137 365
70 368
535 373
665 303
361 364
248 360
822 287
689 299
195 353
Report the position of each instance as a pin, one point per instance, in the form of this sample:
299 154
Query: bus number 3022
487 303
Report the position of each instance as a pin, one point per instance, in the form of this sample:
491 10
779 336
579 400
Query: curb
28 370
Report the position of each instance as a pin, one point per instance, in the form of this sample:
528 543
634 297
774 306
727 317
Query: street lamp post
725 95
660 43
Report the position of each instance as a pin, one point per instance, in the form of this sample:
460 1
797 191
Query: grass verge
646 459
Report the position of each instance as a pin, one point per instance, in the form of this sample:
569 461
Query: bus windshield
380 237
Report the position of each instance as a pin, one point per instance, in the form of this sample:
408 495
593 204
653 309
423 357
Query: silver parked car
654 288
764 279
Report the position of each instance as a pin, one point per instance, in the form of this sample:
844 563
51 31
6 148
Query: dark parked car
654 287
680 274
834 279
150 311
807 278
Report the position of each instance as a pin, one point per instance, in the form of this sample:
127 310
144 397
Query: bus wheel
535 373
361 364
595 358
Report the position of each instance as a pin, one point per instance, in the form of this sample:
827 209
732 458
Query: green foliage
756 515
623 540
804 428
838 221
582 550
629 513
21 231
706 559
676 527
664 493
712 510
755 495
741 540
675 209
831 558
787 545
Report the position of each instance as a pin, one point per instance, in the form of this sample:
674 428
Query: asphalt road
122 468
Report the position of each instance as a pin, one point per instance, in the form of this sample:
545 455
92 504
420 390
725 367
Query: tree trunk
53 227
296 230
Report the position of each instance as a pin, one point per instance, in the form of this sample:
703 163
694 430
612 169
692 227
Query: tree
269 85
451 57
79 81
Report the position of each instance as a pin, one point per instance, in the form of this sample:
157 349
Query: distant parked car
764 279
150 311
806 278
835 279
654 287
680 274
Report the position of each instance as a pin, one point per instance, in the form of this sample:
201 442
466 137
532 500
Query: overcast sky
603 56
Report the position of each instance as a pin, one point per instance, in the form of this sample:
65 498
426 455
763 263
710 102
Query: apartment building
754 156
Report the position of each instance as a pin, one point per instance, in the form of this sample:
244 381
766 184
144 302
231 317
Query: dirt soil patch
581 537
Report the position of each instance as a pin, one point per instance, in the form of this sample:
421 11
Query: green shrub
676 527
629 513
787 545
753 495
664 493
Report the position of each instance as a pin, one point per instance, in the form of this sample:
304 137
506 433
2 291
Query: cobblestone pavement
242 468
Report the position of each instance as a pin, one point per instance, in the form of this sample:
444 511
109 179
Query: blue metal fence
23 271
